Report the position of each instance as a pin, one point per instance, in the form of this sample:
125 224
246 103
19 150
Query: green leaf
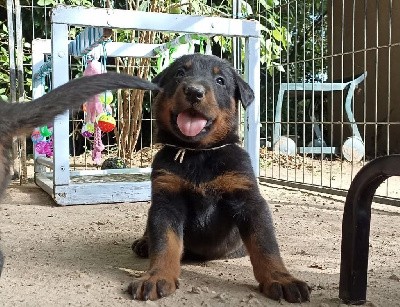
277 35
279 67
45 2
5 30
144 5
273 2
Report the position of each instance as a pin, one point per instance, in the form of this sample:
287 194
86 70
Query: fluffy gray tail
19 117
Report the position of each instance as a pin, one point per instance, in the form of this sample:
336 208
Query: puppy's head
199 101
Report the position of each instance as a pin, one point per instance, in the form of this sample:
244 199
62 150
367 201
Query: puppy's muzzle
194 92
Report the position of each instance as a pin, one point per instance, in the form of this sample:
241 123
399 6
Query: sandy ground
81 256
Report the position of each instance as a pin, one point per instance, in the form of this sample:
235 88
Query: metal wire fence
331 97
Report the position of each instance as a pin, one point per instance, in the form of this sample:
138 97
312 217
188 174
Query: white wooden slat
100 193
125 19
60 61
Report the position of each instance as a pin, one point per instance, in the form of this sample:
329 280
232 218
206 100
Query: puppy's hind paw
141 247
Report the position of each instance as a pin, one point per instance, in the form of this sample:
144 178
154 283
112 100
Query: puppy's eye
220 81
180 73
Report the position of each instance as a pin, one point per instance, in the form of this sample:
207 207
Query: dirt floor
80 255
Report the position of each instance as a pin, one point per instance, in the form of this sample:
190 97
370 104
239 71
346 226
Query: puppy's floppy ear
243 91
159 79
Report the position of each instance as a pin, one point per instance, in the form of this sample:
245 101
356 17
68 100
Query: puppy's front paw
153 286
285 286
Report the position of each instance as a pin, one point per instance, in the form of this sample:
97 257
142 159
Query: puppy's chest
205 180
209 174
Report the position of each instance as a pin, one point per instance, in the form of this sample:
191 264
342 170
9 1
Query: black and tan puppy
21 118
205 200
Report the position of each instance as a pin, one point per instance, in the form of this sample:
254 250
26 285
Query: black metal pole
356 227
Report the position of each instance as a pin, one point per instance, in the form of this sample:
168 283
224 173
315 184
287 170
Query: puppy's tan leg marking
275 280
162 278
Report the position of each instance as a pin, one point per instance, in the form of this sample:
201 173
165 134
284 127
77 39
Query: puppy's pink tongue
190 124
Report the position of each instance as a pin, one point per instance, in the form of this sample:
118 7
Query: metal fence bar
332 40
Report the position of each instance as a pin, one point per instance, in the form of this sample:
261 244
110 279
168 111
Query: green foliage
27 60
277 26
86 3
4 62
276 38
306 23
301 59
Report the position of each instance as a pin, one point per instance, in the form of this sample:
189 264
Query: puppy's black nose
194 93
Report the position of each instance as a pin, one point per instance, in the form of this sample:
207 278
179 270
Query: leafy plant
305 29
4 62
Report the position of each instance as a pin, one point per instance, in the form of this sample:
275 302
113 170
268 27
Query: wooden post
13 80
21 91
